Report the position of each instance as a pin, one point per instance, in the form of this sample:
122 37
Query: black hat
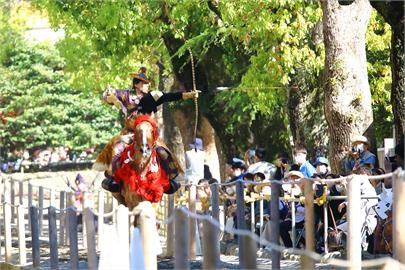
237 163
260 153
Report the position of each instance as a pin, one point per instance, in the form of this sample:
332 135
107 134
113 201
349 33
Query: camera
284 161
318 190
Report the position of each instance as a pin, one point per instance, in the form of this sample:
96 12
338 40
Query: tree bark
347 92
393 13
296 111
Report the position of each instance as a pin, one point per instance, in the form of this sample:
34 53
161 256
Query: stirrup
110 185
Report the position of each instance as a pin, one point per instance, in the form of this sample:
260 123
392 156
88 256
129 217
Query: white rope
281 182
311 254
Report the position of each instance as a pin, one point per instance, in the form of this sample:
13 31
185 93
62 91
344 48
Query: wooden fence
51 228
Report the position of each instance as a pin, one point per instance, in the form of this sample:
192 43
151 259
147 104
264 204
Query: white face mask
360 148
230 190
300 158
321 169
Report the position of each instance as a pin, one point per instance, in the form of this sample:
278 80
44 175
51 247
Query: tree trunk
393 13
347 92
398 77
296 111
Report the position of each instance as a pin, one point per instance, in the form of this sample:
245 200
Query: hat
260 153
248 176
295 173
321 160
237 163
261 175
198 143
360 138
140 76
79 178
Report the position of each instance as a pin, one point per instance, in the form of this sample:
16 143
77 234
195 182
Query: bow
195 90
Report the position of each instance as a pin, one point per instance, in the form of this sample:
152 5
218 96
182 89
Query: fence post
215 201
29 194
253 218
325 226
40 206
21 235
308 262
100 220
147 226
354 223
193 223
53 237
21 192
170 227
51 197
62 218
210 248
275 225
73 245
398 215
245 258
293 231
88 219
35 236
181 240
215 209
12 199
122 227
7 223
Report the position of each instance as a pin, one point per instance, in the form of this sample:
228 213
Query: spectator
283 166
367 216
295 191
207 172
322 167
300 158
359 156
261 165
195 159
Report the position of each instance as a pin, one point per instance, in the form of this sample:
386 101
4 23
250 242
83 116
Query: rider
138 101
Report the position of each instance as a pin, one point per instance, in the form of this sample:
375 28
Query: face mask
230 190
360 148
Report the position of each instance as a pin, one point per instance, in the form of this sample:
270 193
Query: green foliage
258 48
49 111
379 74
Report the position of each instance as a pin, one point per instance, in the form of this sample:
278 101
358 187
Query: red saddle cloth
151 186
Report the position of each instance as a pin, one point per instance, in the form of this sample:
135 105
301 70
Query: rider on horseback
135 102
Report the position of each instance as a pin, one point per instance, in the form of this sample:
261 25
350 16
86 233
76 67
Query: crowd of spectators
375 211
17 159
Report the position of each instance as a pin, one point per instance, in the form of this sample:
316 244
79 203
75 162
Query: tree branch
214 8
392 12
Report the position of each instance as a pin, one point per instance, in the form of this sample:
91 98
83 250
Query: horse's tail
104 159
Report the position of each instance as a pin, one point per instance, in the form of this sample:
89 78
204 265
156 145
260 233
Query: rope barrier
312 255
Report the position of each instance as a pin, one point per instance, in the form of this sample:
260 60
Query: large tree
393 13
347 92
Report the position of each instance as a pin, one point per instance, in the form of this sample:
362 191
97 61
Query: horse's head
145 135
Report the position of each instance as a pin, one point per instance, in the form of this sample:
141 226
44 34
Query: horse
139 169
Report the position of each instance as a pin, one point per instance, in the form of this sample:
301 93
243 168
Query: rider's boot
165 160
109 184
174 186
